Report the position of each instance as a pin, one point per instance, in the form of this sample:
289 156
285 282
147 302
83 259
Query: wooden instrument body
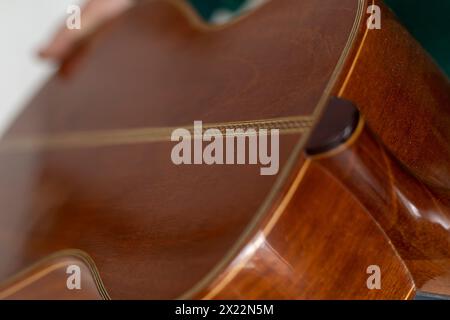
226 232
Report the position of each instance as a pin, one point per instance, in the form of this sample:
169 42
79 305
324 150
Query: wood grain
161 227
47 280
226 232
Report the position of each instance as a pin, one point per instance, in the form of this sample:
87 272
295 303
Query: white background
25 25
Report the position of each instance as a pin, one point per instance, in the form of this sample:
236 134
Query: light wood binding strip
289 125
50 264
29 280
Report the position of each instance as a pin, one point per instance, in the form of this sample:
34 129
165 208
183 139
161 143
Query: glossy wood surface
47 280
415 220
405 100
404 97
141 218
317 244
158 65
227 232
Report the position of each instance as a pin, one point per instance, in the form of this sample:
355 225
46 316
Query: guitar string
288 125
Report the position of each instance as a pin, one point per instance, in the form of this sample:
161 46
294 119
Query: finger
94 13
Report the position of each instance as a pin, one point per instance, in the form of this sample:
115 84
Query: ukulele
358 208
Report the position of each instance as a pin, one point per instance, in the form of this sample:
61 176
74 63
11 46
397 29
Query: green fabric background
427 20
207 7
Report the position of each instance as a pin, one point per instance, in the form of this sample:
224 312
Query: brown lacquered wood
47 280
161 227
415 220
313 248
82 169
405 100
155 66
404 97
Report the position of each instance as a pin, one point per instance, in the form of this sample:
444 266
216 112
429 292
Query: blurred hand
94 13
